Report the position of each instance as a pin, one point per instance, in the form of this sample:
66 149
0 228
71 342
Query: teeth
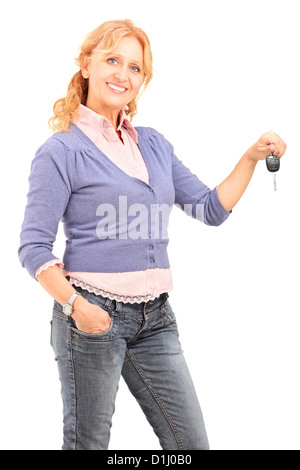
115 87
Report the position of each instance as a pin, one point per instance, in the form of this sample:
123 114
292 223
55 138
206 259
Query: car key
273 165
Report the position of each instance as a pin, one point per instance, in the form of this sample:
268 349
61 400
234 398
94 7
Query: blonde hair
103 40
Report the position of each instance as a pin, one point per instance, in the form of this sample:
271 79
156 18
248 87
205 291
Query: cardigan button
150 247
152 260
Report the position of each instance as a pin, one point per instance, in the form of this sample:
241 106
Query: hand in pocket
90 318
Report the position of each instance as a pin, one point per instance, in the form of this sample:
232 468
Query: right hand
90 318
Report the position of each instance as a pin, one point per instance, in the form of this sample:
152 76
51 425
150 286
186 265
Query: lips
116 88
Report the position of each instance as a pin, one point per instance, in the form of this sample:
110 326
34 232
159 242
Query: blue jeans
142 345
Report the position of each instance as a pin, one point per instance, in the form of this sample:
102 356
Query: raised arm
233 187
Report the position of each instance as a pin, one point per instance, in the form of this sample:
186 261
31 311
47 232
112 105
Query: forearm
56 284
89 318
233 187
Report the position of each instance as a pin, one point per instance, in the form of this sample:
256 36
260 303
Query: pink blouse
135 286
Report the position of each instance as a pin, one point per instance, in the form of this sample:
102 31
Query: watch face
68 309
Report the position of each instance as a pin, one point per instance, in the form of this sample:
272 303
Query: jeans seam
74 407
157 398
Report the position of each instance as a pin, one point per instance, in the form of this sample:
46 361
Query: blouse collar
95 123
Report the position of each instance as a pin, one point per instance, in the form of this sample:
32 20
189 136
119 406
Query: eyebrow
122 57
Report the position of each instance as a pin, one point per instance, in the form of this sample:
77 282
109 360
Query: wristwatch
68 307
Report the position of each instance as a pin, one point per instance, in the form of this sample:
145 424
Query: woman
111 185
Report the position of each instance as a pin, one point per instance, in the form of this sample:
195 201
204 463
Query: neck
112 115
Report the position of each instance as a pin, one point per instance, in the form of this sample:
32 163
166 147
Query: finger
271 138
273 149
275 143
281 148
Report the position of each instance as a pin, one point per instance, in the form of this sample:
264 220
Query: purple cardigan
113 222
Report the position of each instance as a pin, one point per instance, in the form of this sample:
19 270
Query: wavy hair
104 39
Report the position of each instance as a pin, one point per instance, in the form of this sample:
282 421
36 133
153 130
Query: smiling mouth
116 88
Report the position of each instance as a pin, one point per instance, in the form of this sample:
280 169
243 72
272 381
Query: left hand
268 143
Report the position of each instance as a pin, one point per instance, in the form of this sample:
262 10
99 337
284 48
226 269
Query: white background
225 72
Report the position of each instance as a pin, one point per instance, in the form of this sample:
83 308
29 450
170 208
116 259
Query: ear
85 67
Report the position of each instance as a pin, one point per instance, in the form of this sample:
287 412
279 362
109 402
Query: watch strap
68 307
72 298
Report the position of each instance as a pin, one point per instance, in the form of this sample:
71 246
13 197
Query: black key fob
273 163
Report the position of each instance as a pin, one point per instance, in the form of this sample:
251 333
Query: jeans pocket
107 335
167 313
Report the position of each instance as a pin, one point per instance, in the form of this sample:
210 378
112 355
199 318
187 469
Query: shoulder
145 132
61 145
154 135
55 159
70 140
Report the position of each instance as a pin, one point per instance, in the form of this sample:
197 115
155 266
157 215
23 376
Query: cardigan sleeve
47 199
194 197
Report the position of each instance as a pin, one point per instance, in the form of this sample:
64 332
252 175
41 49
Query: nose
121 74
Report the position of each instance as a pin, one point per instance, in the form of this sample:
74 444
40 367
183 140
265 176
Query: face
115 79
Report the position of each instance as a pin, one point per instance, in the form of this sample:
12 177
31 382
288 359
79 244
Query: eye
135 68
112 60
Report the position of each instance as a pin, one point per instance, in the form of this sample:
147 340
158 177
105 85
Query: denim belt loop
118 306
113 305
108 303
